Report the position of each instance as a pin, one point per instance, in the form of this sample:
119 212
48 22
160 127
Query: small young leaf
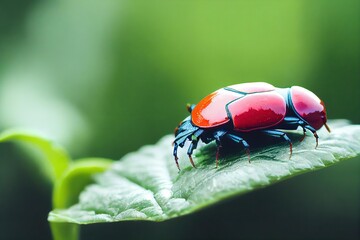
53 159
75 178
67 190
146 185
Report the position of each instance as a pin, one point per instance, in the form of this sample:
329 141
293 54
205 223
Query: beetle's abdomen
257 111
211 111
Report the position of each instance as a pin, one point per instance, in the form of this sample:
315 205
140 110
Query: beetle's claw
217 155
247 150
191 161
317 139
177 163
304 134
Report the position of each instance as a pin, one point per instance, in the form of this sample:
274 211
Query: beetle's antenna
327 127
190 107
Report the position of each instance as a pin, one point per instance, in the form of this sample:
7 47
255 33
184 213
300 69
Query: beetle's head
309 107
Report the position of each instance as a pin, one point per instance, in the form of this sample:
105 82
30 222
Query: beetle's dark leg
179 142
186 131
175 155
314 133
307 126
185 128
218 147
238 139
194 142
304 134
191 148
279 134
302 124
217 135
291 123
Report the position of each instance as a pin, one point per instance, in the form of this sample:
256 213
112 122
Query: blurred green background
106 77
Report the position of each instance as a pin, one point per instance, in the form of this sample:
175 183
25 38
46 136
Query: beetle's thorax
285 93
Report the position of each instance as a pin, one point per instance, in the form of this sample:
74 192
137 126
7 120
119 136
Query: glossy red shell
257 111
211 111
262 108
308 106
253 87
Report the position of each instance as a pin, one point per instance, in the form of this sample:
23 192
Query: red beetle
249 107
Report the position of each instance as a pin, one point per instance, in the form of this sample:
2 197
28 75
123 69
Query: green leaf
51 159
146 185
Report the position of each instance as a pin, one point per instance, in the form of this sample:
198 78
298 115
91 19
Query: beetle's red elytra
249 107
